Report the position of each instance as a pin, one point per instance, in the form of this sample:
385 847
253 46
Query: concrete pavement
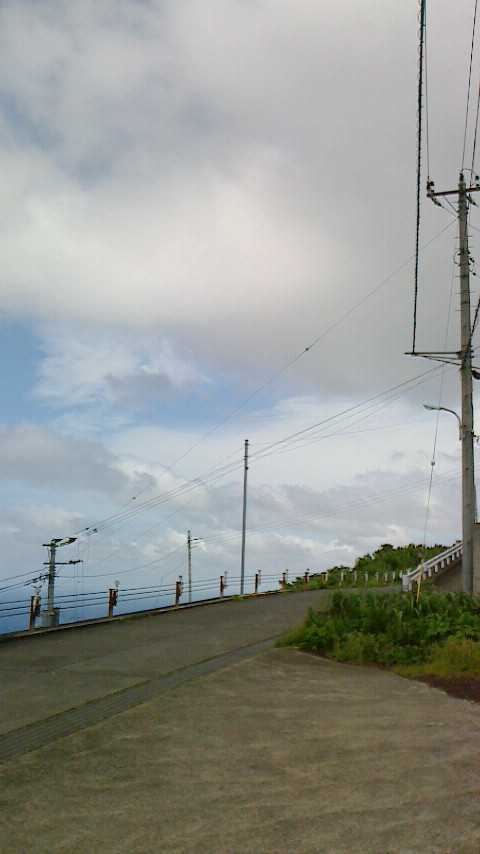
282 752
45 674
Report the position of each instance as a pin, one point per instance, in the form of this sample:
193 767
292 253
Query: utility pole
464 357
51 614
244 518
190 542
468 475
189 566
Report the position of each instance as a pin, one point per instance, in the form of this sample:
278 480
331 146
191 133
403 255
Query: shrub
440 630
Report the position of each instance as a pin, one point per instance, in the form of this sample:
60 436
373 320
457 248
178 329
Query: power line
280 446
114 518
284 445
469 85
475 133
404 386
421 34
215 474
334 510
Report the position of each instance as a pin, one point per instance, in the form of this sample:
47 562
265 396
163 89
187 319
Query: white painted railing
434 566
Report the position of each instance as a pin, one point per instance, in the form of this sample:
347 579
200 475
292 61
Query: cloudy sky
207 231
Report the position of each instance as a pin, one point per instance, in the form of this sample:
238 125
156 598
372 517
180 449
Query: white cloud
43 458
219 173
213 128
35 520
93 365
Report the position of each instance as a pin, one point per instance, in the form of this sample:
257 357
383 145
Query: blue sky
19 357
207 236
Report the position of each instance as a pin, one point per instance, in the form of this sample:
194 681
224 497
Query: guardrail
77 607
435 566
32 614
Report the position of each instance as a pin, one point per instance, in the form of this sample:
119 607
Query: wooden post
178 590
34 611
112 600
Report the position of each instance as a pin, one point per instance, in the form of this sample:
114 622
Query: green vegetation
439 634
455 656
372 570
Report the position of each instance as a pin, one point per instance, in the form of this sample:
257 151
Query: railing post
34 612
178 590
112 598
223 584
257 579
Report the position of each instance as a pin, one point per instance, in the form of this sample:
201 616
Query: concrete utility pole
468 475
189 566
50 615
190 542
465 359
244 518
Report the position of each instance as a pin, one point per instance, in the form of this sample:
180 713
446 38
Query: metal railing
435 566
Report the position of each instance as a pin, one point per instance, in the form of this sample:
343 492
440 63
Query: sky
208 235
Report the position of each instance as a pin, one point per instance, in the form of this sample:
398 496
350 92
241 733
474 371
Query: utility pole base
476 558
50 619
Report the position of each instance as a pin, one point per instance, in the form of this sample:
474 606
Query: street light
444 409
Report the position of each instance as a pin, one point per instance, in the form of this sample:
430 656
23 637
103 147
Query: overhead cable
421 35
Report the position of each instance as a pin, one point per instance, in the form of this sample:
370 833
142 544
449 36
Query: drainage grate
43 732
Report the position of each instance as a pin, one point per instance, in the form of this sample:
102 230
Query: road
191 748
46 674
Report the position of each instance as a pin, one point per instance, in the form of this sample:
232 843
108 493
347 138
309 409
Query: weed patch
439 634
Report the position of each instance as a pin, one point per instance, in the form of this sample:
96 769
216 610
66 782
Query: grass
454 657
438 635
